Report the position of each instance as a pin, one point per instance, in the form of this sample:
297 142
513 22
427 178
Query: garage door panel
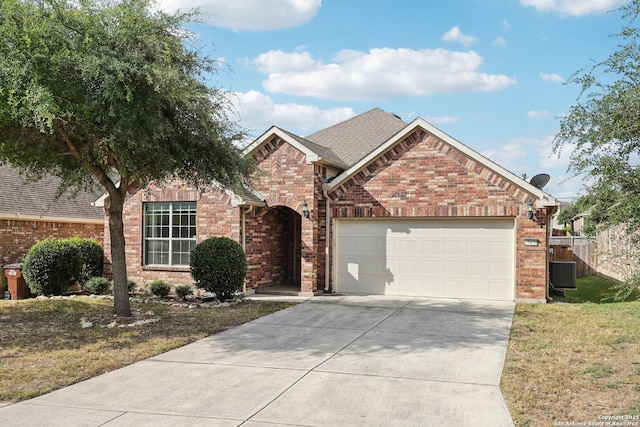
496 268
410 247
432 267
432 258
371 247
432 247
477 268
350 247
476 247
455 248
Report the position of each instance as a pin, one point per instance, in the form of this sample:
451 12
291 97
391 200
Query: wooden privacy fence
582 250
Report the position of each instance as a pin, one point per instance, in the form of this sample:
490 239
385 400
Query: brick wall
269 247
17 237
423 176
215 217
288 180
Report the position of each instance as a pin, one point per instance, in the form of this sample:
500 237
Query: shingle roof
19 196
353 139
324 152
250 196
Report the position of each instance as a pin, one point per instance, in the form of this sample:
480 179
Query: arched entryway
274 250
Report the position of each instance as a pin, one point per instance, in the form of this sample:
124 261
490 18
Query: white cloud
537 114
378 74
506 25
456 35
276 61
257 112
250 15
500 41
553 77
573 7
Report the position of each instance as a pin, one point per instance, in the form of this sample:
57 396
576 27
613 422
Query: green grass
43 346
574 360
594 289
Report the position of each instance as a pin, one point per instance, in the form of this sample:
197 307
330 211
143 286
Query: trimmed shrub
90 258
51 266
219 265
159 288
97 285
183 290
131 286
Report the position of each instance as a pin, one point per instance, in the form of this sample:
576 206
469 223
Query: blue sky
490 73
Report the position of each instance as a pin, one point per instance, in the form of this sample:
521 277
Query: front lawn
43 346
574 362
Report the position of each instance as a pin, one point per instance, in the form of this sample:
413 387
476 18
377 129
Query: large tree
111 93
604 129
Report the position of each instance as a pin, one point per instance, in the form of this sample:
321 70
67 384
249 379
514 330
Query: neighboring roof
353 139
583 214
22 199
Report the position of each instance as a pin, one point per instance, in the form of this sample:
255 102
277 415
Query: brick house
372 205
29 213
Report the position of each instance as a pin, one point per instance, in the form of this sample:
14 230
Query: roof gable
544 198
312 151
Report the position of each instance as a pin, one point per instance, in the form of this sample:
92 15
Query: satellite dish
540 180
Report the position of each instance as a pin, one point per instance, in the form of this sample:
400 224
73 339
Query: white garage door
429 258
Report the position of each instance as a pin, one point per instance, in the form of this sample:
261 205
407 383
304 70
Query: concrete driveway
329 361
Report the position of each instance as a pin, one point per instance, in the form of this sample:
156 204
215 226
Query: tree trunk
121 306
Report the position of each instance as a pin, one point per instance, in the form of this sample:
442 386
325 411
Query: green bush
219 265
96 285
159 288
183 290
131 286
51 266
90 258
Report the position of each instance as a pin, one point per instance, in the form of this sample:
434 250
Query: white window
169 232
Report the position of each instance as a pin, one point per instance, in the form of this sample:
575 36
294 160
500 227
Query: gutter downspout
244 242
327 229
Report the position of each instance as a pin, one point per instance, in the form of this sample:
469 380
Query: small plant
159 288
131 286
219 265
96 285
183 290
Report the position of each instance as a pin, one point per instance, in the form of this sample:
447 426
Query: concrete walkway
330 361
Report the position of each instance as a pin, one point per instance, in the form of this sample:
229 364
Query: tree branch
97 171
